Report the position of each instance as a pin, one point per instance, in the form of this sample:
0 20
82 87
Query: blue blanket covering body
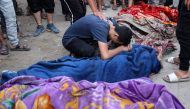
139 62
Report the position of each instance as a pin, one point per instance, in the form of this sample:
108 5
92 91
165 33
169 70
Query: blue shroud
139 62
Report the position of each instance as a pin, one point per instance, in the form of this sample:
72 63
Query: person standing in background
36 7
7 8
183 36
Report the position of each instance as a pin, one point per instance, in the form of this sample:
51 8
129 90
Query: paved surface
48 46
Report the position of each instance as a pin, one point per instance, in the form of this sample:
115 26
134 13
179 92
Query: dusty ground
48 46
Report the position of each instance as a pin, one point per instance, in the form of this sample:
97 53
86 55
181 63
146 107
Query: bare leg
99 4
3 46
50 18
130 3
38 18
114 5
182 74
103 3
123 4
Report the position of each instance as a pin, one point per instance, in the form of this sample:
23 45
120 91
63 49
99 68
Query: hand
100 15
187 3
127 48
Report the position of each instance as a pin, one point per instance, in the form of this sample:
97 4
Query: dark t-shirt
88 27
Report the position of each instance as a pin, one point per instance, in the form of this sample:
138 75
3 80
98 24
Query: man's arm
95 10
187 3
106 53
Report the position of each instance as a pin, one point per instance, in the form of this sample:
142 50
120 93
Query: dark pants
38 5
77 9
183 36
65 9
3 23
82 47
168 2
136 1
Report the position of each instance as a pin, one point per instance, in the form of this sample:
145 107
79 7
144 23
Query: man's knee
80 48
88 52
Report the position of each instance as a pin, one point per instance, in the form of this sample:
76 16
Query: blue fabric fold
141 61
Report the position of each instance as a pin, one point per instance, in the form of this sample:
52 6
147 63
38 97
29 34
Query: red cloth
154 11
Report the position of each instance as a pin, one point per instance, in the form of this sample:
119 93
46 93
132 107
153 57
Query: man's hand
127 48
95 11
100 15
187 3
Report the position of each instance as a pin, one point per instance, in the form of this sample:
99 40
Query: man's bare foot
178 76
173 60
176 60
182 74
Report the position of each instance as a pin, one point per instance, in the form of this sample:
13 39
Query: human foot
20 47
4 50
178 76
173 60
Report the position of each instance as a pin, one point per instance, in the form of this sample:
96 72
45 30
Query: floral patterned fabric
26 92
153 26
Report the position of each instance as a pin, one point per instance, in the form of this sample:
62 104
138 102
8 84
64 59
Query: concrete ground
49 46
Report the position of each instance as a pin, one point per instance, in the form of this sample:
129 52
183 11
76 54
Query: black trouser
183 36
168 2
77 9
38 5
82 47
3 23
136 1
65 9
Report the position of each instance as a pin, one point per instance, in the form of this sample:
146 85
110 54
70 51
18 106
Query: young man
36 7
90 33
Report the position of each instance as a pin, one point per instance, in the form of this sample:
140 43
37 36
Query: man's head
120 34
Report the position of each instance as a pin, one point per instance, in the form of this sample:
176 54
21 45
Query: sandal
4 50
172 78
20 47
172 60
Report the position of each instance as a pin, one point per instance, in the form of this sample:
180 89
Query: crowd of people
106 29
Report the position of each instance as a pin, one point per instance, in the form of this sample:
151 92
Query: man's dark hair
125 34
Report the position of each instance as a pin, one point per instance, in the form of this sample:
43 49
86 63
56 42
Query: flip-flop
171 60
172 78
4 50
20 48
